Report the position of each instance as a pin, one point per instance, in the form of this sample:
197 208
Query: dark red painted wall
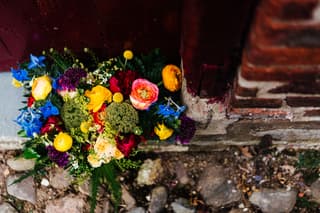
206 33
212 38
109 26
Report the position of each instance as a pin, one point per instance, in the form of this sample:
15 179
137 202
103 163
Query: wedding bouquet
89 116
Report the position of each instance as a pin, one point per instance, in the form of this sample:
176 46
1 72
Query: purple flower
71 79
187 130
49 109
60 158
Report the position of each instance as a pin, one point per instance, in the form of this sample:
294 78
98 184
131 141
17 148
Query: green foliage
106 174
153 63
303 202
309 159
30 153
309 163
126 164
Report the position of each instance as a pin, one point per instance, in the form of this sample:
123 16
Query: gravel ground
250 168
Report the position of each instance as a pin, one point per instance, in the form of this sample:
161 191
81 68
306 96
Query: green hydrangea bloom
122 117
74 111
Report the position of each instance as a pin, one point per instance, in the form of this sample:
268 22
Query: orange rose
143 94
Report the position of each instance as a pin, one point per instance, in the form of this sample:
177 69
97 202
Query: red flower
122 81
31 100
99 117
114 87
86 147
53 124
127 144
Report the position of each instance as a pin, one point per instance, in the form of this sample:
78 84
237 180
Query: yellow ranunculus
62 142
94 160
84 126
41 87
162 131
98 95
117 97
16 83
128 54
172 77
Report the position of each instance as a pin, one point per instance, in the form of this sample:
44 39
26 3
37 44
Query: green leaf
22 133
29 153
94 190
109 174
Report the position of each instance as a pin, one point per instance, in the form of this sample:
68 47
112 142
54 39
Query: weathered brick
256 103
303 87
272 72
281 55
256 113
245 92
290 9
270 31
312 113
298 101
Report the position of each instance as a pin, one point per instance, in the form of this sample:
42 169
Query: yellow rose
41 87
172 77
62 142
98 95
94 160
162 131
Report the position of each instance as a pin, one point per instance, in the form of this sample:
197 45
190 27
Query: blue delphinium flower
30 121
36 61
20 74
165 110
49 109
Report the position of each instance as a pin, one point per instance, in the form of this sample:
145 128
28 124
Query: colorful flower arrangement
89 116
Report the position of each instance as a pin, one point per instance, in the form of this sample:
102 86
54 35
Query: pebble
23 190
60 178
45 182
158 200
315 191
274 200
7 208
181 205
149 172
129 201
215 189
69 203
137 210
20 164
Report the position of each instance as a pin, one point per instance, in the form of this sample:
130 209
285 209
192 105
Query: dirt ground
250 168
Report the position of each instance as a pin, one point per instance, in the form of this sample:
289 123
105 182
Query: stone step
9 109
278 72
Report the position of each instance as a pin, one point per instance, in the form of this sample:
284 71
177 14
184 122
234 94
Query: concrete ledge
10 99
